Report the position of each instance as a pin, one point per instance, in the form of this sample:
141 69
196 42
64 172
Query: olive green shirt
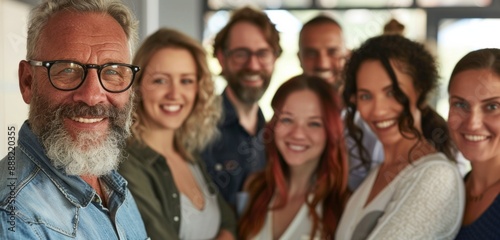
152 185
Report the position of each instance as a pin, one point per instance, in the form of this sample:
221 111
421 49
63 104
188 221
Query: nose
323 61
473 120
380 106
91 91
298 131
172 91
253 63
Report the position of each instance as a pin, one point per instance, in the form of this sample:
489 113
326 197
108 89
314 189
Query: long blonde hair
200 126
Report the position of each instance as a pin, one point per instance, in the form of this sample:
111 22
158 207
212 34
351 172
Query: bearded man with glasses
60 182
246 48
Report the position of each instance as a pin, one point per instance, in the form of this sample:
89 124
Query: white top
424 201
376 153
299 228
204 223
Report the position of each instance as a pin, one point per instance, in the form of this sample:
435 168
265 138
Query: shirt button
176 219
174 195
218 167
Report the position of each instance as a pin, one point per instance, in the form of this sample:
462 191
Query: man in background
246 48
322 53
60 181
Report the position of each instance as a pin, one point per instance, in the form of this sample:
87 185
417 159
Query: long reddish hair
328 183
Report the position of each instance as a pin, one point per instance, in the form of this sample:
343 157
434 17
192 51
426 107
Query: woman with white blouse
417 192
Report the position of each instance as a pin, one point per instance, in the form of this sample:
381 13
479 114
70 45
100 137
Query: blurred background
449 28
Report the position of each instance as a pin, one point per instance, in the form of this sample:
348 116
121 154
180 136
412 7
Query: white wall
13 110
183 15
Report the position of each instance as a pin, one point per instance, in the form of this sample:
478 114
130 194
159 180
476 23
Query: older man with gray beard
60 182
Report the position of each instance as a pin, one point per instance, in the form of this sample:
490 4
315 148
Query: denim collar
77 191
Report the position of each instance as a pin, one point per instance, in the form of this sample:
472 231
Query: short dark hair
487 58
318 20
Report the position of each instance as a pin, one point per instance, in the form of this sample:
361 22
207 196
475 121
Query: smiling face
376 103
322 52
81 129
300 133
169 88
474 116
101 40
248 80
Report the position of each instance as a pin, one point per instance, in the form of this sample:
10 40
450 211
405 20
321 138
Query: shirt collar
141 150
231 116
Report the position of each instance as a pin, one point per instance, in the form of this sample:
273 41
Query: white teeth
475 138
254 77
324 74
385 124
171 108
296 147
86 120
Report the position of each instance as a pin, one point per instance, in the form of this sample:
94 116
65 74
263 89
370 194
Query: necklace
479 197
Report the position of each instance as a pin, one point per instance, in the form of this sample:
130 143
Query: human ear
25 81
221 58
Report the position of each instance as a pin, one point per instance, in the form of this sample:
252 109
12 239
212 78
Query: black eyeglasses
69 75
242 55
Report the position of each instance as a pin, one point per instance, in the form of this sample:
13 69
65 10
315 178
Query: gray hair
41 14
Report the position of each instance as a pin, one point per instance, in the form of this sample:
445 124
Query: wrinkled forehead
68 32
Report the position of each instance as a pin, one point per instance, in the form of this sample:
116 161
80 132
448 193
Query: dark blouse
486 227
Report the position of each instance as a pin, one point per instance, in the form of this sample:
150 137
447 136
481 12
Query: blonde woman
175 117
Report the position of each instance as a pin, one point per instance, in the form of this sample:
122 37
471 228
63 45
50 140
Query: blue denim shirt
38 201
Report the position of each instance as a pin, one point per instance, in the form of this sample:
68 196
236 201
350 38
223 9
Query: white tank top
199 224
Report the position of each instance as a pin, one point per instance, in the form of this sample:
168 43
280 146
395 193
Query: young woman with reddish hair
303 189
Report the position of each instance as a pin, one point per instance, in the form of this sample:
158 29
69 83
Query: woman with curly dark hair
417 192
302 191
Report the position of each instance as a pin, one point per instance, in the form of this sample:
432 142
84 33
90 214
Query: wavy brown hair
200 126
328 184
255 17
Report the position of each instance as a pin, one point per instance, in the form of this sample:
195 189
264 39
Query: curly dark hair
414 60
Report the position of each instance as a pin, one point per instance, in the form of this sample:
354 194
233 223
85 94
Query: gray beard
85 155
91 153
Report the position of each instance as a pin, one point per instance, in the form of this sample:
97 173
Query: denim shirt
38 201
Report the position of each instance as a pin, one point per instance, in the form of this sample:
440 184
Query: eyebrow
384 89
484 100
316 117
289 113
